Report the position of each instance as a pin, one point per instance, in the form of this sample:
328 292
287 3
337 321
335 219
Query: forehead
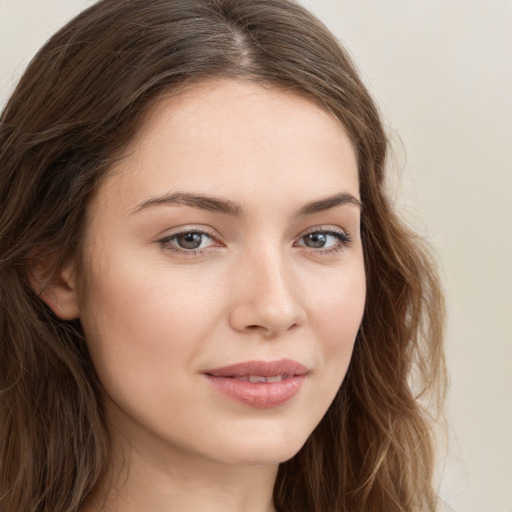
235 137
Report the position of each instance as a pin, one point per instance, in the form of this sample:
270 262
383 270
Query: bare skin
268 267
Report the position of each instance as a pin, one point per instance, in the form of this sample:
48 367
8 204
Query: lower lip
262 395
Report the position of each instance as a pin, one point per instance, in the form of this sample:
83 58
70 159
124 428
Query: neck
180 482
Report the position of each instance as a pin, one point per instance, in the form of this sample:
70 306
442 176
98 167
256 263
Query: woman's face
229 235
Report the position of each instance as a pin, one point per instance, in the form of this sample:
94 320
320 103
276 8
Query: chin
272 448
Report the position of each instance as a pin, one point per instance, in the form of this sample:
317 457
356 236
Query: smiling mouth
281 368
259 384
259 379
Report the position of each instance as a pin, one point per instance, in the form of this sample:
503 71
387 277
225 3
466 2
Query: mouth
259 384
260 379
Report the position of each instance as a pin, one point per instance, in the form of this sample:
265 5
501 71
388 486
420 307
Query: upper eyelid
204 230
325 229
341 234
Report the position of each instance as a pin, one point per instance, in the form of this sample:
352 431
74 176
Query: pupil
190 240
316 240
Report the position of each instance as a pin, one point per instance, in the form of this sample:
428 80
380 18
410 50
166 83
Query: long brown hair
76 107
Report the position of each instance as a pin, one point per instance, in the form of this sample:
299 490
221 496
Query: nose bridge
266 297
272 276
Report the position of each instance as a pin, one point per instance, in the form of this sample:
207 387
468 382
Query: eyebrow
328 203
200 201
233 209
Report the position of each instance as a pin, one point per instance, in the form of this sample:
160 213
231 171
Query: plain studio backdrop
441 71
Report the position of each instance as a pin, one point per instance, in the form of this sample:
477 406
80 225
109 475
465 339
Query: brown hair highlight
74 111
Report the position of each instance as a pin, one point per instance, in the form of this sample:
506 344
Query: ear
56 288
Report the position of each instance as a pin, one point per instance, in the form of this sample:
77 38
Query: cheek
142 317
118 313
336 320
339 308
144 327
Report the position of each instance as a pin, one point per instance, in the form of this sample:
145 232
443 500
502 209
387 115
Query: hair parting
72 114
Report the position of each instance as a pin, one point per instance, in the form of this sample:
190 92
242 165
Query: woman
208 302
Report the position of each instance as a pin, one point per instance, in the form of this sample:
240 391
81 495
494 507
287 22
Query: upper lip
260 368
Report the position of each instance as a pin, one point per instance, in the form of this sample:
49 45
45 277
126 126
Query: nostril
255 327
266 317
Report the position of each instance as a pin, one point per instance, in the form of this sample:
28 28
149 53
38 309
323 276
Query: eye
325 240
188 241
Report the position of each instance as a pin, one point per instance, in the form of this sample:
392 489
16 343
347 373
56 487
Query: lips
260 384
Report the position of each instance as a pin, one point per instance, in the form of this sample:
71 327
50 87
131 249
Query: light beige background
441 71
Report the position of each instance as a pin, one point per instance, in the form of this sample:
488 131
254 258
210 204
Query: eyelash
166 241
343 238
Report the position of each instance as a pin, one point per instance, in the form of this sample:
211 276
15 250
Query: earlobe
58 290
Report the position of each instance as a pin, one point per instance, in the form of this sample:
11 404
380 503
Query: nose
265 294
